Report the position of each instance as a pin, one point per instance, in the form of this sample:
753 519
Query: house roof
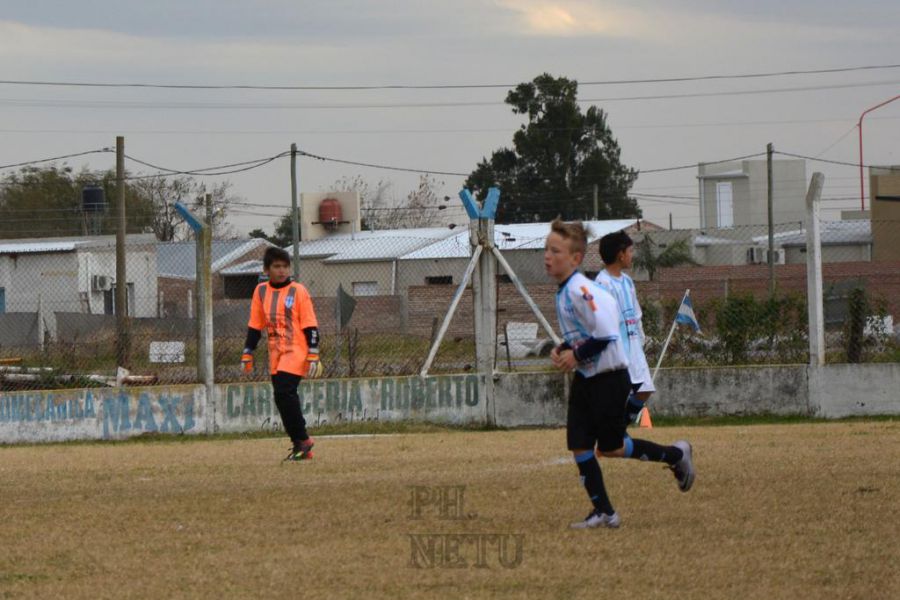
69 244
36 247
831 233
179 259
373 245
708 240
247 267
423 243
519 236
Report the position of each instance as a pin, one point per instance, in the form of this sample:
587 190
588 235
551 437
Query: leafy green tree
556 159
46 202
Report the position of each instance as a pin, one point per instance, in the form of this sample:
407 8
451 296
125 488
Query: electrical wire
55 158
377 166
437 86
146 105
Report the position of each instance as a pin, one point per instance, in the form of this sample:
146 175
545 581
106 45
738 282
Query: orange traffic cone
645 419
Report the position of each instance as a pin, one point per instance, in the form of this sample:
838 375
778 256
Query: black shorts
597 411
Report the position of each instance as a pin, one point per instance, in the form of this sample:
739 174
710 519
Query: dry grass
778 511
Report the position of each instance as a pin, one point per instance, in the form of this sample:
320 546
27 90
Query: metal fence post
814 272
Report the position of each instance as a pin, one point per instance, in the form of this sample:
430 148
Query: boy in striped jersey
594 347
617 252
283 308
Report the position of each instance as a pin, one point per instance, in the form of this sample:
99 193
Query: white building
734 194
75 275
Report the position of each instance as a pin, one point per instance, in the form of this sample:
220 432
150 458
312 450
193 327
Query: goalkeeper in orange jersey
284 309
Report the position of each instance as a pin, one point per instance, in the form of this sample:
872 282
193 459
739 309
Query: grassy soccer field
807 510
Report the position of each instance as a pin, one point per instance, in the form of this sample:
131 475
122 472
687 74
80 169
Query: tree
159 195
46 202
557 158
675 254
380 207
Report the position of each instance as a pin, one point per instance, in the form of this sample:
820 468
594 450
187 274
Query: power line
283 132
176 86
156 105
208 171
694 165
55 158
823 160
377 166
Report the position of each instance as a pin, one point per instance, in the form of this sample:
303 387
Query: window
724 204
364 288
109 300
439 280
240 286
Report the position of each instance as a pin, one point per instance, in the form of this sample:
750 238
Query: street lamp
862 197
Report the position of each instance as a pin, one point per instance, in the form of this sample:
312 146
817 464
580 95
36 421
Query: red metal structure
862 197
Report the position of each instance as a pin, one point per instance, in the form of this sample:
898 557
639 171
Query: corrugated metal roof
831 233
708 240
36 247
422 243
519 236
248 267
179 259
371 245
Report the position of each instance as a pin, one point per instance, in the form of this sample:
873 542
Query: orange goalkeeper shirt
283 313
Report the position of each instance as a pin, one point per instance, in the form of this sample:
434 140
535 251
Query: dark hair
574 232
272 254
613 243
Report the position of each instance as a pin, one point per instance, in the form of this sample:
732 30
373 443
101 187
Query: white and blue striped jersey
585 310
622 289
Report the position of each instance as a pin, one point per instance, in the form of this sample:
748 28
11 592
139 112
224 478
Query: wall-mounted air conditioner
101 283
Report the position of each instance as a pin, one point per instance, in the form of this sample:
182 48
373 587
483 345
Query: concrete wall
528 399
855 390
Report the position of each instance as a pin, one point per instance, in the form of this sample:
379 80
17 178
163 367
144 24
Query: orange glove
247 362
314 368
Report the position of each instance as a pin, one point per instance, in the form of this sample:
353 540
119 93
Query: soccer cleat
684 468
301 450
598 519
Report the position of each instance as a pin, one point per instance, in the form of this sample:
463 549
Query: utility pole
123 335
670 221
295 214
770 150
596 204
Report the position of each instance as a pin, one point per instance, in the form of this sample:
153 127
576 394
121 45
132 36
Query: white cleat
684 468
598 519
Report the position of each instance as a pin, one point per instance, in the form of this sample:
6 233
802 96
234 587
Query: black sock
644 450
592 479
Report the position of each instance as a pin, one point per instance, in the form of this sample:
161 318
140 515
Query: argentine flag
685 314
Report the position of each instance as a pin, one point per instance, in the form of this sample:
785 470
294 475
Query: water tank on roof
93 199
330 214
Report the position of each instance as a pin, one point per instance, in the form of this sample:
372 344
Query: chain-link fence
380 298
378 304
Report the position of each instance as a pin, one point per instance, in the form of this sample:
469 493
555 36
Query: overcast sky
367 42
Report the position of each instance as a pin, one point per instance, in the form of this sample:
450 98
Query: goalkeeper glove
314 368
247 361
